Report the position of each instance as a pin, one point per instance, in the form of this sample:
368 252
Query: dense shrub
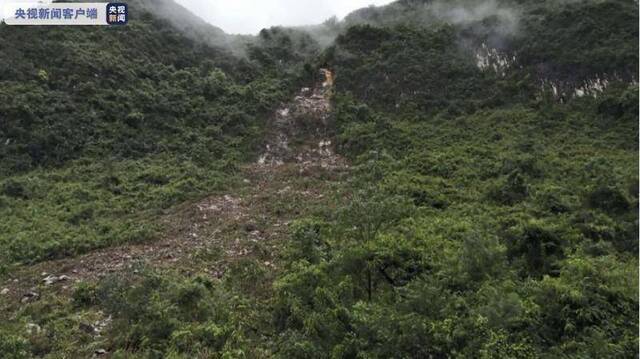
483 215
553 199
535 248
153 313
13 347
510 189
15 189
609 199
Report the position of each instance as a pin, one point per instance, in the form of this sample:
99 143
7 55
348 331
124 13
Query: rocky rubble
52 279
225 226
305 122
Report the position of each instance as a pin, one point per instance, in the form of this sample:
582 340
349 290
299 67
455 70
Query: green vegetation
104 128
511 208
484 216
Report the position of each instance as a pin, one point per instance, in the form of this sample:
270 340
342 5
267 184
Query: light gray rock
33 328
30 297
52 279
49 280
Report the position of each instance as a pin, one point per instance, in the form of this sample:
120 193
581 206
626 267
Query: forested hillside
489 207
101 126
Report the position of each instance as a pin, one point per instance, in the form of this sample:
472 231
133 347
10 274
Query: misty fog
249 16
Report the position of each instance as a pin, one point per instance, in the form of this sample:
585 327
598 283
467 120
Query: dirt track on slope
297 172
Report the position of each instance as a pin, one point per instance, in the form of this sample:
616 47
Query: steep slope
104 82
297 147
492 52
220 235
516 149
102 128
465 186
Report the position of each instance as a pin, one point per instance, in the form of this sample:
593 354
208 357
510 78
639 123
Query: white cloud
250 16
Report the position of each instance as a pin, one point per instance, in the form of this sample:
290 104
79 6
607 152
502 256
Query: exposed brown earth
297 172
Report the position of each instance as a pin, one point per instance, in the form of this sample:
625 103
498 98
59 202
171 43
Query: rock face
492 59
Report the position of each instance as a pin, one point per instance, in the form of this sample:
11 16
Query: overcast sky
251 16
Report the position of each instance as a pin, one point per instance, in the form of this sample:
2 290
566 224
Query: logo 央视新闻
117 13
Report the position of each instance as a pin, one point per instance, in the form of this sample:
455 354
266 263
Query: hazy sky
250 16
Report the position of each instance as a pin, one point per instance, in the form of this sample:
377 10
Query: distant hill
120 90
566 45
466 188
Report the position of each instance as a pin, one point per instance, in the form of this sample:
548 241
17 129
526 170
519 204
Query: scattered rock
52 279
283 112
100 325
308 152
100 352
33 328
30 297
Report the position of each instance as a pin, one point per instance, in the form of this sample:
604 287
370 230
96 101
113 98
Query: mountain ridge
466 185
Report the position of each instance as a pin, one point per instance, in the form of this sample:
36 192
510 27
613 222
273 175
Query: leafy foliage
517 196
102 128
491 211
